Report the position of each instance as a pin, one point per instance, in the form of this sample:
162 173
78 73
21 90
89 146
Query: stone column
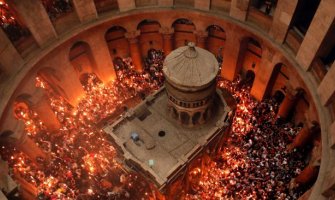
167 34
40 103
263 74
332 135
85 10
316 33
201 38
305 136
102 58
307 175
165 2
36 18
20 139
326 89
202 4
125 5
10 59
239 9
230 57
287 105
26 189
135 51
282 19
64 79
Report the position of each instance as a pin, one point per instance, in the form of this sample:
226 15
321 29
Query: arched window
183 32
150 37
116 40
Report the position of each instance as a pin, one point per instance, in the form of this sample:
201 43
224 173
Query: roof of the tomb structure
190 66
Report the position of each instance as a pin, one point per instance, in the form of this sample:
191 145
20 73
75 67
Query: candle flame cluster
81 163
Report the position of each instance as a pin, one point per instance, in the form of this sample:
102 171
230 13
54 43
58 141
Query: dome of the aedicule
190 66
167 99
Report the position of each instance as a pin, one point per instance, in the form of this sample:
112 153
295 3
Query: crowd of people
255 163
13 29
55 8
81 163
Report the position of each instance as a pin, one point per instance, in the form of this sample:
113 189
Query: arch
278 96
148 22
216 41
196 118
175 114
276 82
5 134
87 79
150 37
117 42
184 118
249 77
250 55
183 32
81 58
52 78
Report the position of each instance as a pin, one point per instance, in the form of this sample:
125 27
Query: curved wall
52 59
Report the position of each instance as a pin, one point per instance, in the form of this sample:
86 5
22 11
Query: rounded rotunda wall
233 29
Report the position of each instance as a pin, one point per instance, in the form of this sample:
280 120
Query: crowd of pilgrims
55 8
82 164
255 163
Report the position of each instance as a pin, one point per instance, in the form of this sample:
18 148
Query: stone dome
190 66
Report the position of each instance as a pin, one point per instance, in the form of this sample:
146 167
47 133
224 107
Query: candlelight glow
81 163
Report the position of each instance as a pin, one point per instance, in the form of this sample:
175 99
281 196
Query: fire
82 162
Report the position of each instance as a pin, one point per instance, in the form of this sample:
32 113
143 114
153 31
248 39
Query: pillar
239 9
10 59
63 79
326 89
40 103
104 64
20 139
201 38
36 19
263 74
85 10
305 136
282 19
29 147
316 33
135 51
287 105
125 5
165 3
307 175
7 184
332 135
167 34
231 52
202 4
26 189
